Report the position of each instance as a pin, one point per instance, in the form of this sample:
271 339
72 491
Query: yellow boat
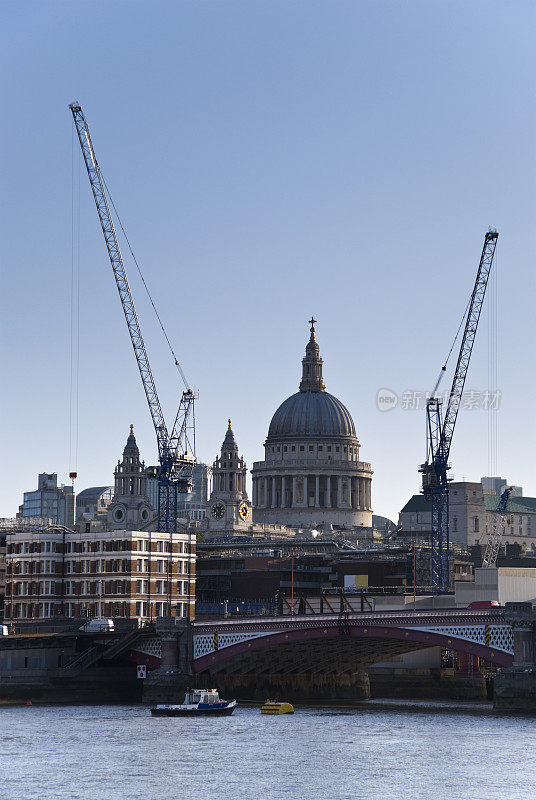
273 707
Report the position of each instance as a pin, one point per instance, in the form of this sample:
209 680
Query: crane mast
440 429
176 464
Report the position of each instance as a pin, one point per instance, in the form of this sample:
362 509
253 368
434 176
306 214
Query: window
160 566
302 448
337 449
320 448
455 524
160 547
476 524
141 608
293 448
285 448
311 448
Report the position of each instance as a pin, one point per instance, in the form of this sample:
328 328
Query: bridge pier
429 684
294 687
168 683
515 687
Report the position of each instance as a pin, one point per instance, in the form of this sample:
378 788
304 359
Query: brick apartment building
99 574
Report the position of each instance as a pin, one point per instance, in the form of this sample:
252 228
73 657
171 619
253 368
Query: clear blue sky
270 160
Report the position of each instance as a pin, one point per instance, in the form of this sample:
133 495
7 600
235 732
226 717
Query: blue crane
440 429
176 452
500 521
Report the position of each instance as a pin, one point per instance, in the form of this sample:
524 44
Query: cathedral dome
311 414
312 477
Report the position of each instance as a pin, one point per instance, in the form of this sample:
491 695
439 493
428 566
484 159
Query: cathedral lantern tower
229 507
130 508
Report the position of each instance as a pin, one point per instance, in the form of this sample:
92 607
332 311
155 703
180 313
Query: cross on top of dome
312 365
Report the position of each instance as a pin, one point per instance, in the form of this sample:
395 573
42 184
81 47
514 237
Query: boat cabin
204 696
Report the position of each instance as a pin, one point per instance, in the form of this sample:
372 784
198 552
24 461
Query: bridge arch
337 645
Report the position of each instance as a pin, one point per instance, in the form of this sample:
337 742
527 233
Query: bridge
337 643
314 656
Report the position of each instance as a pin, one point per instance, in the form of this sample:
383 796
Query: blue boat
197 702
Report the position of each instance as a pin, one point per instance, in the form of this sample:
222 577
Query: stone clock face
243 510
218 510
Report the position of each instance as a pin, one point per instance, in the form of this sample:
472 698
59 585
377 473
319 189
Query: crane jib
440 432
173 464
469 335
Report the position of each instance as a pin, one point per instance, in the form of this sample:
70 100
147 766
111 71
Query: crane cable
74 353
492 399
444 367
183 376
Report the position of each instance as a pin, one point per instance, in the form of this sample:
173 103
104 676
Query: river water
374 752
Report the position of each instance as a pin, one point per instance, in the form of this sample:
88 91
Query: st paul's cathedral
311 477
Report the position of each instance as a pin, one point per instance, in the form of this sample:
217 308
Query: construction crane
440 429
176 452
500 521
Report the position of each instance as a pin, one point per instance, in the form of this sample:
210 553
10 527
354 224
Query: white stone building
130 508
229 506
472 516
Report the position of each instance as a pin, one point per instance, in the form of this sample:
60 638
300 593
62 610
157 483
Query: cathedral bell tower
229 507
130 508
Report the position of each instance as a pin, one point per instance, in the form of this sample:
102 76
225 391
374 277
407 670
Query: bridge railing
409 617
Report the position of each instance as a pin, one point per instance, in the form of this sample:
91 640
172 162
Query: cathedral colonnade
312 490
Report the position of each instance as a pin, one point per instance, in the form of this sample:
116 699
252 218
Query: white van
97 625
